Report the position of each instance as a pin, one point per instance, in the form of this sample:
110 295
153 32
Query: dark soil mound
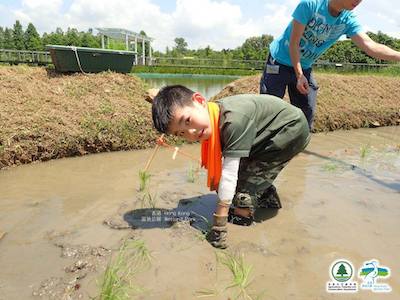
344 101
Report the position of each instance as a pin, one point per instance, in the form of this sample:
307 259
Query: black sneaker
270 199
239 220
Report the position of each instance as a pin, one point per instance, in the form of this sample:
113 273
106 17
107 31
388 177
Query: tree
255 48
1 38
54 38
72 37
8 39
32 39
18 36
89 40
342 270
180 45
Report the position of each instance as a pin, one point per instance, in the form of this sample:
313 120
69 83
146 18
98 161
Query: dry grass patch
45 115
344 101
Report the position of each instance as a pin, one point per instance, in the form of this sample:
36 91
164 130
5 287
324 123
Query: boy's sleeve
237 135
303 12
228 182
353 26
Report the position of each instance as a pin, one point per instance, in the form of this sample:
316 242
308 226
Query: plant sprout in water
330 167
151 199
117 281
365 151
144 178
240 282
193 173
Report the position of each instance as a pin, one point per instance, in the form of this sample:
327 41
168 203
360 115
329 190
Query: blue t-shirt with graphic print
322 30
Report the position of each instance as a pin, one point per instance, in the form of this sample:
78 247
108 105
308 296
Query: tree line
253 48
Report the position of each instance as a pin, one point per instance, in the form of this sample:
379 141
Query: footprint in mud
56 288
89 258
247 247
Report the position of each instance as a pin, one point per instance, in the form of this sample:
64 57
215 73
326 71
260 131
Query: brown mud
64 219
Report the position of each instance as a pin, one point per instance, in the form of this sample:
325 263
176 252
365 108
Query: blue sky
220 24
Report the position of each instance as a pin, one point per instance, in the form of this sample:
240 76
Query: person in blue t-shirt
316 26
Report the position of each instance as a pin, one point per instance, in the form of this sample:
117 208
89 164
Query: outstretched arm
294 50
374 49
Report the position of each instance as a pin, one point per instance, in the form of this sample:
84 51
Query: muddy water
62 219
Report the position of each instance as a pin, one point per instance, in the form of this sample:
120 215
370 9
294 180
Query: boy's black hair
167 99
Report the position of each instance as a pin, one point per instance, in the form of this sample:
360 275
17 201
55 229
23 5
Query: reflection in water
208 86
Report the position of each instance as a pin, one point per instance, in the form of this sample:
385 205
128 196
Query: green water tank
90 60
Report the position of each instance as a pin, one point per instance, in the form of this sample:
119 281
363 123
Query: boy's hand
302 84
150 94
219 232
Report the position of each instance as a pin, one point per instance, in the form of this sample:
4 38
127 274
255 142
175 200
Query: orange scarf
211 154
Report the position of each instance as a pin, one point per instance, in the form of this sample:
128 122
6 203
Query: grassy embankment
44 115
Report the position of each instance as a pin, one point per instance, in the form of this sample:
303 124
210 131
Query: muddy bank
344 101
44 115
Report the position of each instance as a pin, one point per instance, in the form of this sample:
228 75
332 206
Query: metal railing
43 58
191 62
25 56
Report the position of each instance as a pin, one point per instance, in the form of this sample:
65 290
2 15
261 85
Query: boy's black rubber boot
270 199
239 220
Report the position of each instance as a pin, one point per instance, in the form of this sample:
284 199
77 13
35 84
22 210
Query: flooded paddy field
62 221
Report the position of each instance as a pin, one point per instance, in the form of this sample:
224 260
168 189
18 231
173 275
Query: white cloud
207 22
217 23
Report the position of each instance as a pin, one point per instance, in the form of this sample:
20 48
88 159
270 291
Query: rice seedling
117 282
240 273
203 232
142 255
144 178
365 150
330 167
207 293
192 173
149 200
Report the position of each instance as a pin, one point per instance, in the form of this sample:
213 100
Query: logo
341 272
370 272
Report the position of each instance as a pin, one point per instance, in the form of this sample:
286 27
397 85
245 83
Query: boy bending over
246 140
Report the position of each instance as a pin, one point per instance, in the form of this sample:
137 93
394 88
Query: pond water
207 85
340 200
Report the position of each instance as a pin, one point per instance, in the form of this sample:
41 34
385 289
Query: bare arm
374 49
294 50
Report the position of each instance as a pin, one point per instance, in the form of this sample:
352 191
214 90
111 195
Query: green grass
117 282
194 70
144 178
149 200
241 273
330 167
365 150
192 173
392 71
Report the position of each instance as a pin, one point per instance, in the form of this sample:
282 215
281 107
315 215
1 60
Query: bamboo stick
153 155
